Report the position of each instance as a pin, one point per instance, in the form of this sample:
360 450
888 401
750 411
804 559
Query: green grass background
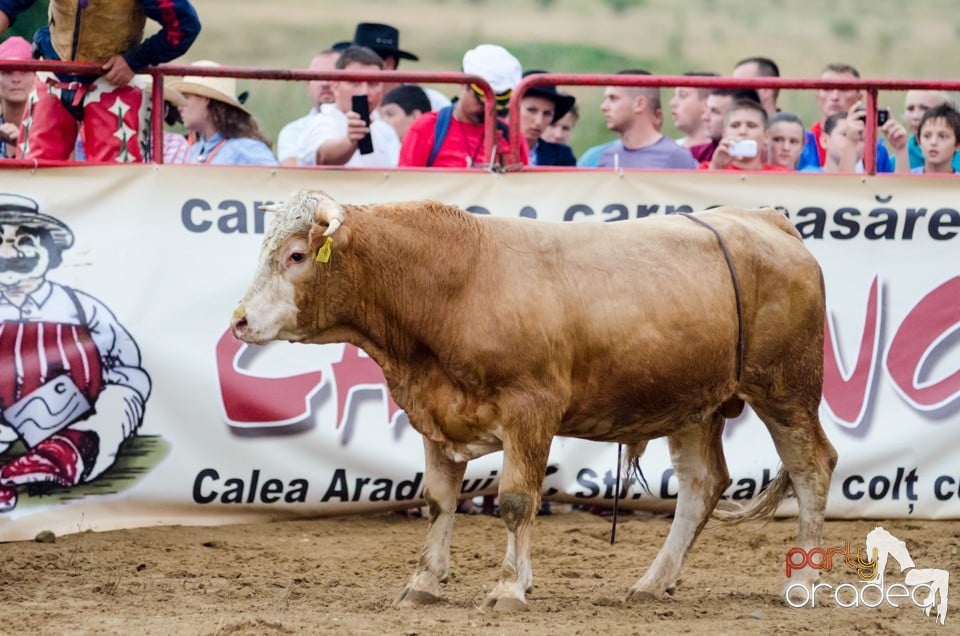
883 38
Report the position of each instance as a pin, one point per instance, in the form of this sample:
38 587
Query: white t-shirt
288 140
331 123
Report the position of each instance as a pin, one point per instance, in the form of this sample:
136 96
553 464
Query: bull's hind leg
698 462
443 479
809 458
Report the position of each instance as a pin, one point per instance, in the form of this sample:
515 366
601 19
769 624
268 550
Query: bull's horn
270 207
332 213
334 224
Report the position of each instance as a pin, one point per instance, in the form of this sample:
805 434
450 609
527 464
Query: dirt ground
341 575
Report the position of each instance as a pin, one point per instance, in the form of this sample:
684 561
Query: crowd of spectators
387 124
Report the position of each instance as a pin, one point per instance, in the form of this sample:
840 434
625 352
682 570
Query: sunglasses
502 99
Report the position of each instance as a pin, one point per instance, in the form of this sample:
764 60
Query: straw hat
170 95
221 89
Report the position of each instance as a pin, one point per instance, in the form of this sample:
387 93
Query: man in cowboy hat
106 108
454 136
541 106
71 385
384 40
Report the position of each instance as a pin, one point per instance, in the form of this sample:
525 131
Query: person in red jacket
453 136
106 109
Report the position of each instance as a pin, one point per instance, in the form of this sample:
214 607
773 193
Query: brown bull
498 333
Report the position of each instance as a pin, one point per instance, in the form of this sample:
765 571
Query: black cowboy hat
561 103
382 38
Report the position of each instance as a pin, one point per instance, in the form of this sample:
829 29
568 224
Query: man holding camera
840 100
340 135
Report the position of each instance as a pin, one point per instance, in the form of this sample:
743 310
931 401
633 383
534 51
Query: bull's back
644 312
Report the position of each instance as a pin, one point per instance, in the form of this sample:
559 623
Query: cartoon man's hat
20 210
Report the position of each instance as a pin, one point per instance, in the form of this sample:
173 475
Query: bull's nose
239 327
238 322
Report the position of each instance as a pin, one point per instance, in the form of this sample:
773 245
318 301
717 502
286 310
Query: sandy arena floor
340 576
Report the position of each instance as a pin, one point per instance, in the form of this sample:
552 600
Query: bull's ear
326 245
316 237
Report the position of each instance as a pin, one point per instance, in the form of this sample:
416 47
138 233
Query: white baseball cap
494 64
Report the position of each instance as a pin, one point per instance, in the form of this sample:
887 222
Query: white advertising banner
125 401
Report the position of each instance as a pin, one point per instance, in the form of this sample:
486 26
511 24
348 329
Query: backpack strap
440 129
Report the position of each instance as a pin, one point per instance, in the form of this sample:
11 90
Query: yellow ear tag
323 254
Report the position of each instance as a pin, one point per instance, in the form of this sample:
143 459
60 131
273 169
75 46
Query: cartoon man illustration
71 385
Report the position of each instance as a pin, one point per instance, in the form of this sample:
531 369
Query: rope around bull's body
740 355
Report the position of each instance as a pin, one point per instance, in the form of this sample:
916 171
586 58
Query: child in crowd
559 131
744 136
939 138
402 105
915 104
842 141
785 139
842 138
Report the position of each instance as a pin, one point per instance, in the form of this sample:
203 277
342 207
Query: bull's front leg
443 480
524 465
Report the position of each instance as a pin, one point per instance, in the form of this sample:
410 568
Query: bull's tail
763 506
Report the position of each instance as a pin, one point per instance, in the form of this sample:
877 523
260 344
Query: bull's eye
297 257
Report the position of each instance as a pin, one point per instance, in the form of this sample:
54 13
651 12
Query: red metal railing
306 75
870 87
241 72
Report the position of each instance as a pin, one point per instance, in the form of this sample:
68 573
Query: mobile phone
882 116
361 106
743 148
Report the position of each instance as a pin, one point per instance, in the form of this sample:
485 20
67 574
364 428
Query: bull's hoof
505 604
637 595
640 596
415 598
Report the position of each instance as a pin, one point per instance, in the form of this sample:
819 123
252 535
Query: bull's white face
270 307
269 310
